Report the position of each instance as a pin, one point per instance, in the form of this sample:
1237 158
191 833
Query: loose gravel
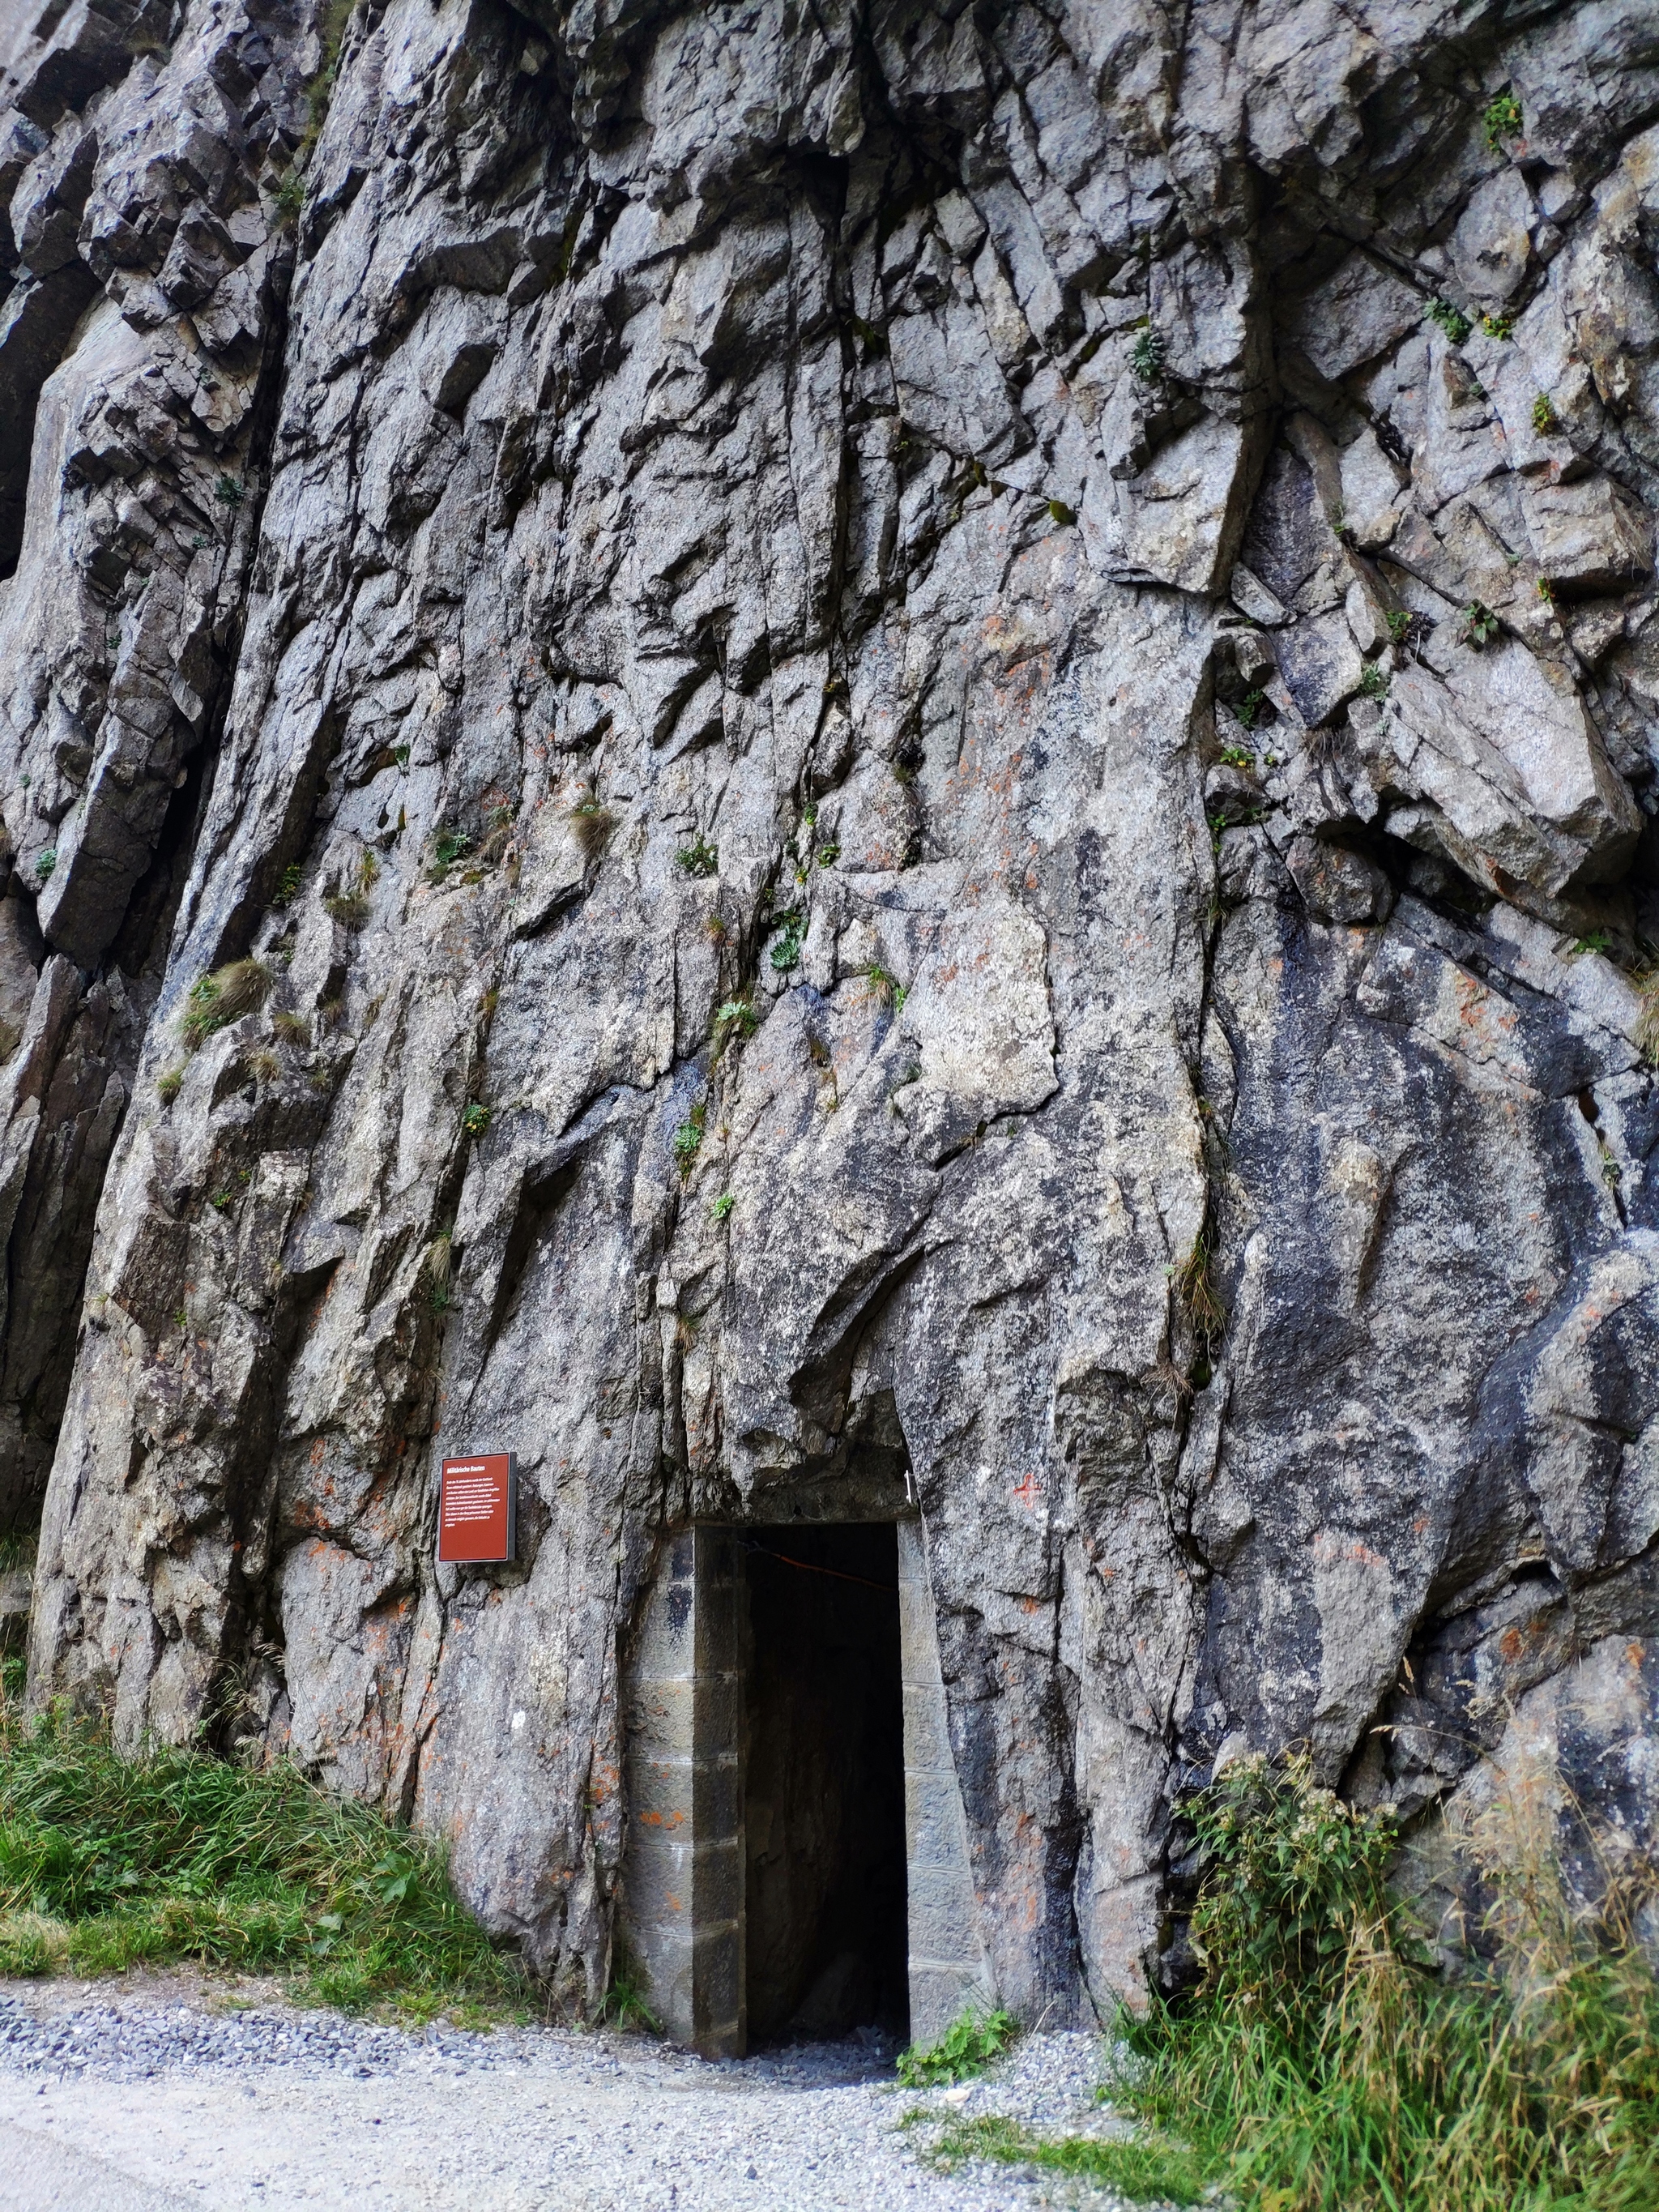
198 2102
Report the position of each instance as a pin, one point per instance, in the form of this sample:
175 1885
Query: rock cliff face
759 746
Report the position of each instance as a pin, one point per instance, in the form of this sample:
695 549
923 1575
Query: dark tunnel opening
825 1902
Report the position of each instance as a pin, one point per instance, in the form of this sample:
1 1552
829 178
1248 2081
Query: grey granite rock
680 580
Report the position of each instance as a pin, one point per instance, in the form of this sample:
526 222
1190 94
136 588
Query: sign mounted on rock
478 1509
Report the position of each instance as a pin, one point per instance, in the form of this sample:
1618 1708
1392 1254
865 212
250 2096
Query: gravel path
160 2098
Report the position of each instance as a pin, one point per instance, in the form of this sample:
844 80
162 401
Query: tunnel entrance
824 1784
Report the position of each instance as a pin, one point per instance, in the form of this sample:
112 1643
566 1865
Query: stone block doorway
796 1862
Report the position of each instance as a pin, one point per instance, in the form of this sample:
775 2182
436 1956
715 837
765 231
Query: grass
1325 2064
973 2039
224 997
1142 2172
108 1863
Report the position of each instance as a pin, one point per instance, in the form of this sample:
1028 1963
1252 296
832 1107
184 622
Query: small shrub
476 1118
1146 355
722 1206
287 887
1451 319
228 491
1373 681
1249 709
688 1139
1543 415
967 2047
45 862
1503 119
1479 626
699 858
168 1085
224 996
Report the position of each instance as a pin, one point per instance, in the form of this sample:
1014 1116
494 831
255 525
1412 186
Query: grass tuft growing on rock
108 1862
1327 2064
222 998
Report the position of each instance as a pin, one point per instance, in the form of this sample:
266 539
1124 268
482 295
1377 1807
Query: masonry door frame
683 1875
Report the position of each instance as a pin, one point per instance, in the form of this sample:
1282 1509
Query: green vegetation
1237 756
45 862
108 1863
699 858
1138 2171
1594 941
476 1118
1373 680
289 197
292 1028
967 2047
885 987
1059 512
321 90
1480 625
1325 2065
720 1210
448 845
1503 119
1146 354
591 824
168 1085
1195 1286
827 855
228 491
1455 323
687 1139
287 887
216 1000
734 1018
1249 707
791 926
1498 327
1543 415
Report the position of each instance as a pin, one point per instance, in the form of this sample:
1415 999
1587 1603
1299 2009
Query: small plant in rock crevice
698 859
214 1001
885 986
476 1118
785 953
687 1139
720 1210
734 1019
448 845
1146 355
1452 321
1195 1285
1503 119
1373 681
1544 420
1498 327
591 824
1247 712
169 1084
45 862
1479 625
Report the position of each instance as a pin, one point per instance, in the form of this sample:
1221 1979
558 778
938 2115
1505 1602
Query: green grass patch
968 2046
1144 2172
1328 2064
108 1862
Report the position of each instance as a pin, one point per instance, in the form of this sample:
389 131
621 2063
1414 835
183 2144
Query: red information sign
478 1508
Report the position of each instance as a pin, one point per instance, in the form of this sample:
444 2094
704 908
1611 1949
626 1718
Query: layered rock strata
760 748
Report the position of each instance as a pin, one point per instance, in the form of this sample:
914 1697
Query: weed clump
168 1085
1503 119
591 824
688 1139
216 1000
1543 415
973 2039
699 858
1452 321
1479 625
1325 2062
108 1863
